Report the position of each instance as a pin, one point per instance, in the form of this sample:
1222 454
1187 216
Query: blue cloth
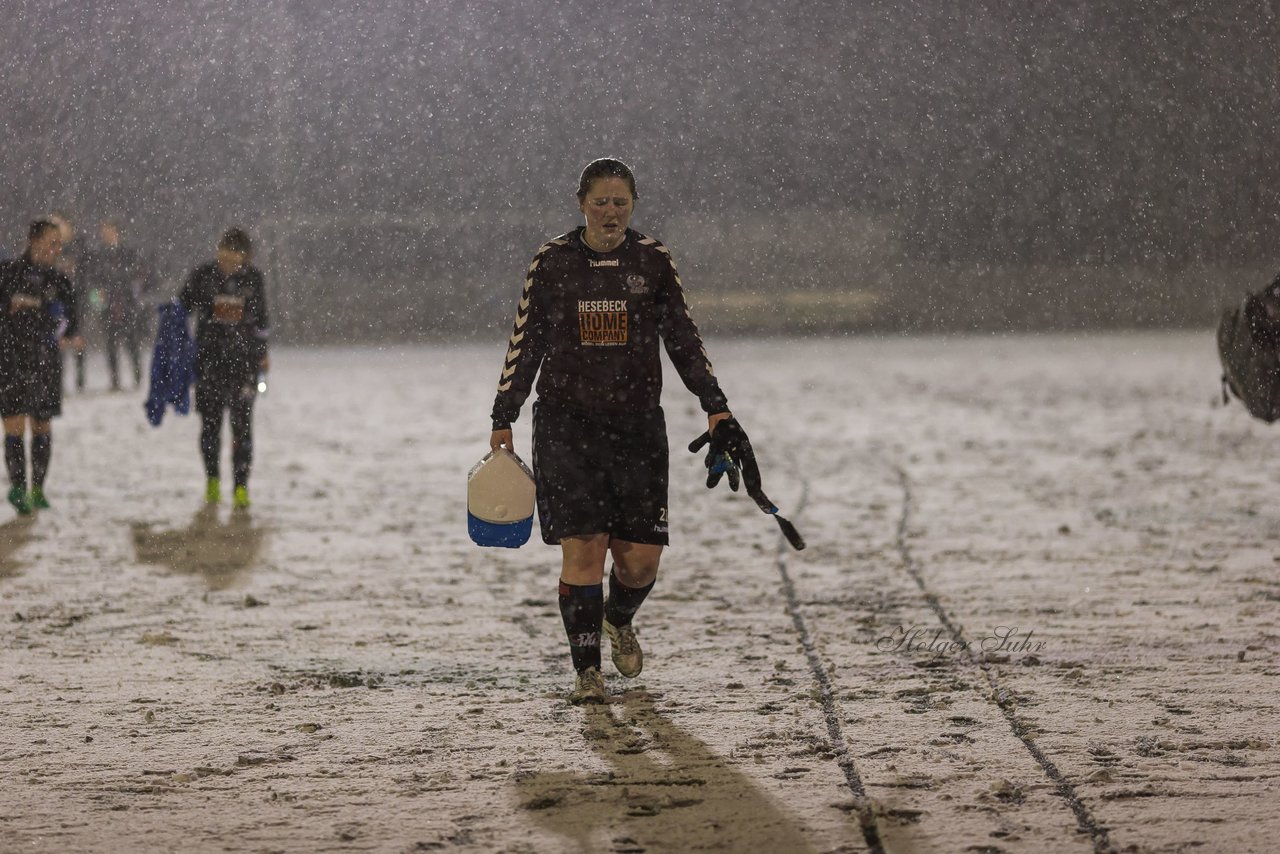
173 364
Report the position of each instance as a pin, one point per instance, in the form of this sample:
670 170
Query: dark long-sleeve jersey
591 322
38 305
124 277
1262 310
231 320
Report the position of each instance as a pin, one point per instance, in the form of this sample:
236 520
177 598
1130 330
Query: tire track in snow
865 808
1002 697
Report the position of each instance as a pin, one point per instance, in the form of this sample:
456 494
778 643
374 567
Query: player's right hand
501 438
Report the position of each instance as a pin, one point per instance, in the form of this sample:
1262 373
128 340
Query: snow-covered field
340 669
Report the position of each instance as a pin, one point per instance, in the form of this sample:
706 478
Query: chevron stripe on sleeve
524 348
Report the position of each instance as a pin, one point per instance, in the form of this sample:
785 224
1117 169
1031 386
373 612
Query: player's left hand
728 453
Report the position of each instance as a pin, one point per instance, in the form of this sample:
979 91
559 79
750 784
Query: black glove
730 453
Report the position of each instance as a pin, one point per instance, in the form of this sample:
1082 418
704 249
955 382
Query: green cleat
18 498
37 499
213 491
241 498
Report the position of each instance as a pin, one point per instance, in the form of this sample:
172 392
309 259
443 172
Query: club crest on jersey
636 283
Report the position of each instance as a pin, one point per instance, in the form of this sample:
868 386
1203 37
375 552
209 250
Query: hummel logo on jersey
607 262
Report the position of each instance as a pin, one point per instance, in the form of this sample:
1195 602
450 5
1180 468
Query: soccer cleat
240 498
588 688
624 649
18 498
37 499
213 491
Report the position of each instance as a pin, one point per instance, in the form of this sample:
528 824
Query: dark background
814 166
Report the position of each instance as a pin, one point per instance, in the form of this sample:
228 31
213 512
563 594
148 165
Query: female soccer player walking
227 297
595 304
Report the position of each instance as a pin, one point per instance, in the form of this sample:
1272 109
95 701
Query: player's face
46 248
607 208
65 228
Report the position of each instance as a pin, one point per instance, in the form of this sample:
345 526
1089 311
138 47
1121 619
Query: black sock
15 459
211 443
624 601
581 607
41 453
241 459
241 442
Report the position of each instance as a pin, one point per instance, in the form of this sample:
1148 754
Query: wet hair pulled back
605 167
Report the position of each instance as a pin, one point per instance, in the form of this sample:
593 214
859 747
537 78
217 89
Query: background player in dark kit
70 262
595 303
125 280
227 296
40 316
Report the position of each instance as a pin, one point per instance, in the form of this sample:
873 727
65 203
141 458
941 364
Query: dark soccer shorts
600 474
215 395
33 391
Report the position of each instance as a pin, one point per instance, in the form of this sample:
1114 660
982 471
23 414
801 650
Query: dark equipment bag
1249 347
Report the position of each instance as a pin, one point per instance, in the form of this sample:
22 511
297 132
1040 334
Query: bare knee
635 564
582 559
